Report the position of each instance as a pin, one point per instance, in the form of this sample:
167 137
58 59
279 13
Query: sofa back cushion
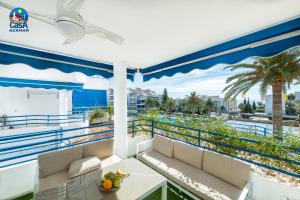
101 149
226 168
163 145
188 153
56 161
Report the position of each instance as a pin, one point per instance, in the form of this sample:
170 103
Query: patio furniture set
75 173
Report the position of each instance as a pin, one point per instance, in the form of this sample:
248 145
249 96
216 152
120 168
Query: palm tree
278 72
171 105
209 106
201 106
193 102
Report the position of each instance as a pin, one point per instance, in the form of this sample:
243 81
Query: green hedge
227 135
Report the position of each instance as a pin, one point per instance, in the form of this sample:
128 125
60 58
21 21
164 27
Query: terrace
165 44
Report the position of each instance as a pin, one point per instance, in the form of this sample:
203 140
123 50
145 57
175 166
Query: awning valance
266 42
21 83
12 54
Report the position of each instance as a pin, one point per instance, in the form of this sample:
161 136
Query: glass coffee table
140 184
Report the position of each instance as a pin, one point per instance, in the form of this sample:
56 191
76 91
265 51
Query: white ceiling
154 30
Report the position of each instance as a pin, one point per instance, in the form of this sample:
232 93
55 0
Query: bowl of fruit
112 181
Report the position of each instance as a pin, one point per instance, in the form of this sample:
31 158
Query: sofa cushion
101 149
55 161
226 168
163 145
191 178
105 162
53 180
188 153
82 166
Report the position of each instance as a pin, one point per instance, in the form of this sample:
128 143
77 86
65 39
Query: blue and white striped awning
266 42
12 54
28 83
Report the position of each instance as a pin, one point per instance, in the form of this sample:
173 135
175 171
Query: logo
18 20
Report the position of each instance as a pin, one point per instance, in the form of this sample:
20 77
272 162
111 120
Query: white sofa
53 166
200 173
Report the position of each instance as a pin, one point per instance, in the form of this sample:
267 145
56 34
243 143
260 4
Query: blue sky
205 82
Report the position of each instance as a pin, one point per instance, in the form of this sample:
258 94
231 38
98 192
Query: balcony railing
40 120
267 152
16 149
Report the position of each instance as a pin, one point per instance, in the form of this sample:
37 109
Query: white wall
22 101
95 83
269 105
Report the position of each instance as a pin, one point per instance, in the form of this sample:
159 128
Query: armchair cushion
55 161
82 166
101 149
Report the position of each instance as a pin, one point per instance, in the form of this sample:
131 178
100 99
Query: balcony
19 153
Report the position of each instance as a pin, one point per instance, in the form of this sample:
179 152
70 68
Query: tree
110 110
248 108
152 103
242 107
171 105
260 107
209 106
193 102
290 108
254 106
201 106
165 100
277 72
291 96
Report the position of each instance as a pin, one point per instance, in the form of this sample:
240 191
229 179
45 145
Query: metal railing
44 120
256 129
20 148
223 143
16 149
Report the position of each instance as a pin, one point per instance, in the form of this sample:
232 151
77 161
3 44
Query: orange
107 185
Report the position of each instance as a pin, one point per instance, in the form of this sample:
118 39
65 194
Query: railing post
199 137
83 114
152 128
265 131
133 129
48 121
26 121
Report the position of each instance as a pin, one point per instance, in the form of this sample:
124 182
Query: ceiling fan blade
68 41
74 5
40 17
61 6
44 18
101 32
5 5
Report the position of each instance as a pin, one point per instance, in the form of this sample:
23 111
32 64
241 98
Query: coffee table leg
164 190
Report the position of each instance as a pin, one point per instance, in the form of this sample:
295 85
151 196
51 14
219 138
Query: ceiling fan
69 22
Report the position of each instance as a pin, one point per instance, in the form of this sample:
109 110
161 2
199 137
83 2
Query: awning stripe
11 54
16 82
230 58
260 43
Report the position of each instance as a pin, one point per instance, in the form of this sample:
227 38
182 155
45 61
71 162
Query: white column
120 109
63 107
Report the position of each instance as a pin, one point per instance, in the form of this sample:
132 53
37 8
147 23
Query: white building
229 105
297 96
269 105
136 98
